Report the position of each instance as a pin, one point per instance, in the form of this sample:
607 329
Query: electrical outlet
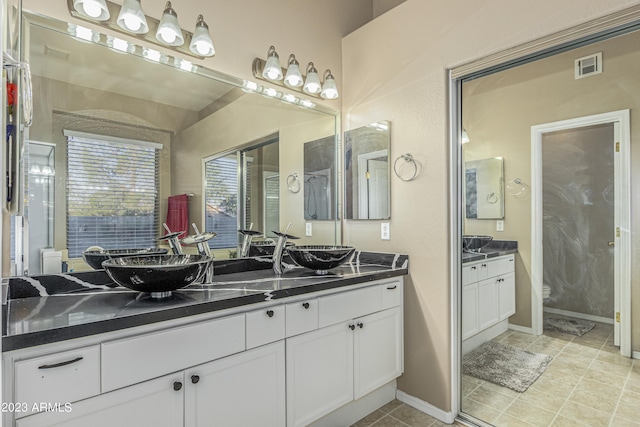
309 229
499 225
384 231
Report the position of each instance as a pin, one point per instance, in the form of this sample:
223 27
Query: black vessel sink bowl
96 258
475 243
320 258
157 274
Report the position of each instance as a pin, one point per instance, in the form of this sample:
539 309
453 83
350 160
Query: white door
154 403
319 373
487 303
247 389
469 310
377 350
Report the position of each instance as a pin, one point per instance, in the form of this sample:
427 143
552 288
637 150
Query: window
112 193
221 198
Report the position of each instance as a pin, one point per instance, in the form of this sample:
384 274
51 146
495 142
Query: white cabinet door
319 372
243 390
507 295
155 403
377 350
487 303
469 310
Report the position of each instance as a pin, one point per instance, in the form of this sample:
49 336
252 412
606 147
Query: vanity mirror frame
29 18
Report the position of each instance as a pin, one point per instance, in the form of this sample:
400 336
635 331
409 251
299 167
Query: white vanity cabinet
357 349
154 403
283 364
488 294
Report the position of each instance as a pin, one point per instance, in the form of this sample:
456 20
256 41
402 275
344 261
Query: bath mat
577 327
505 365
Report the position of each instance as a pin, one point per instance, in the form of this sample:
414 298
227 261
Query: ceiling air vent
588 65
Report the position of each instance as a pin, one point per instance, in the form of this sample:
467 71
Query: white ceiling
90 65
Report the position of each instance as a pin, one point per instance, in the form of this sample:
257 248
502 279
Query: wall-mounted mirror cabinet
151 124
484 188
367 188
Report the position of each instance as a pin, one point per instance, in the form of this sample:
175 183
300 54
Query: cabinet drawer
500 266
390 295
347 305
135 359
58 378
301 317
469 274
265 326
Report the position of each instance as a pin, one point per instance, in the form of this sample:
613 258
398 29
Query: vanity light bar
148 37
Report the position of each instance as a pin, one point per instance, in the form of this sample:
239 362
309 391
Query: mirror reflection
484 189
319 181
367 172
131 133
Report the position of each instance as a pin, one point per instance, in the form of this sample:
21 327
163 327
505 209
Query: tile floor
588 383
397 414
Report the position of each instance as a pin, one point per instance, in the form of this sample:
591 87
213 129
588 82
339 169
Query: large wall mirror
367 192
117 131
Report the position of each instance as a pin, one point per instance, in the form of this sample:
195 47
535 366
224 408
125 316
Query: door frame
363 182
622 257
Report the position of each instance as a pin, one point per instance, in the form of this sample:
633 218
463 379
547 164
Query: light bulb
272 69
312 84
329 89
92 8
169 31
132 22
201 43
293 77
168 35
132 18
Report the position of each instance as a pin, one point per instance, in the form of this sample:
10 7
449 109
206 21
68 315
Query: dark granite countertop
494 249
90 308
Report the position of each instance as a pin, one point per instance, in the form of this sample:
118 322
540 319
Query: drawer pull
360 325
177 386
305 305
473 268
195 379
352 327
484 265
392 287
270 313
57 365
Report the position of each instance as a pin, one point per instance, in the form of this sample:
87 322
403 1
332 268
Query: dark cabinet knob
177 386
473 268
360 325
195 379
352 327
270 313
305 305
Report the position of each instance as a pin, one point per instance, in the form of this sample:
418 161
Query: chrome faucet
279 250
200 240
247 235
172 240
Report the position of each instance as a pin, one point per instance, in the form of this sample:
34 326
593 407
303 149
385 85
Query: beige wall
395 69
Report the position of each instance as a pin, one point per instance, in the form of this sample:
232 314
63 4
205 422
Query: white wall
395 68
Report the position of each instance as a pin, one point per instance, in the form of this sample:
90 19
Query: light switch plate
384 231
308 229
499 225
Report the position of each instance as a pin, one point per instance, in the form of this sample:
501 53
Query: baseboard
583 316
518 328
480 338
635 355
421 405
351 412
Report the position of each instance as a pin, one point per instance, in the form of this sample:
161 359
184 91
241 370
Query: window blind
112 194
221 195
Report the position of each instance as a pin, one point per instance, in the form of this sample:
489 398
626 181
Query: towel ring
516 187
409 159
492 198
293 183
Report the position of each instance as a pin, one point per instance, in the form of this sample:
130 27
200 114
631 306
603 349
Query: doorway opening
580 222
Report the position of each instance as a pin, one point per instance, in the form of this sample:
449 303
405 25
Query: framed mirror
366 172
484 188
166 115
319 179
